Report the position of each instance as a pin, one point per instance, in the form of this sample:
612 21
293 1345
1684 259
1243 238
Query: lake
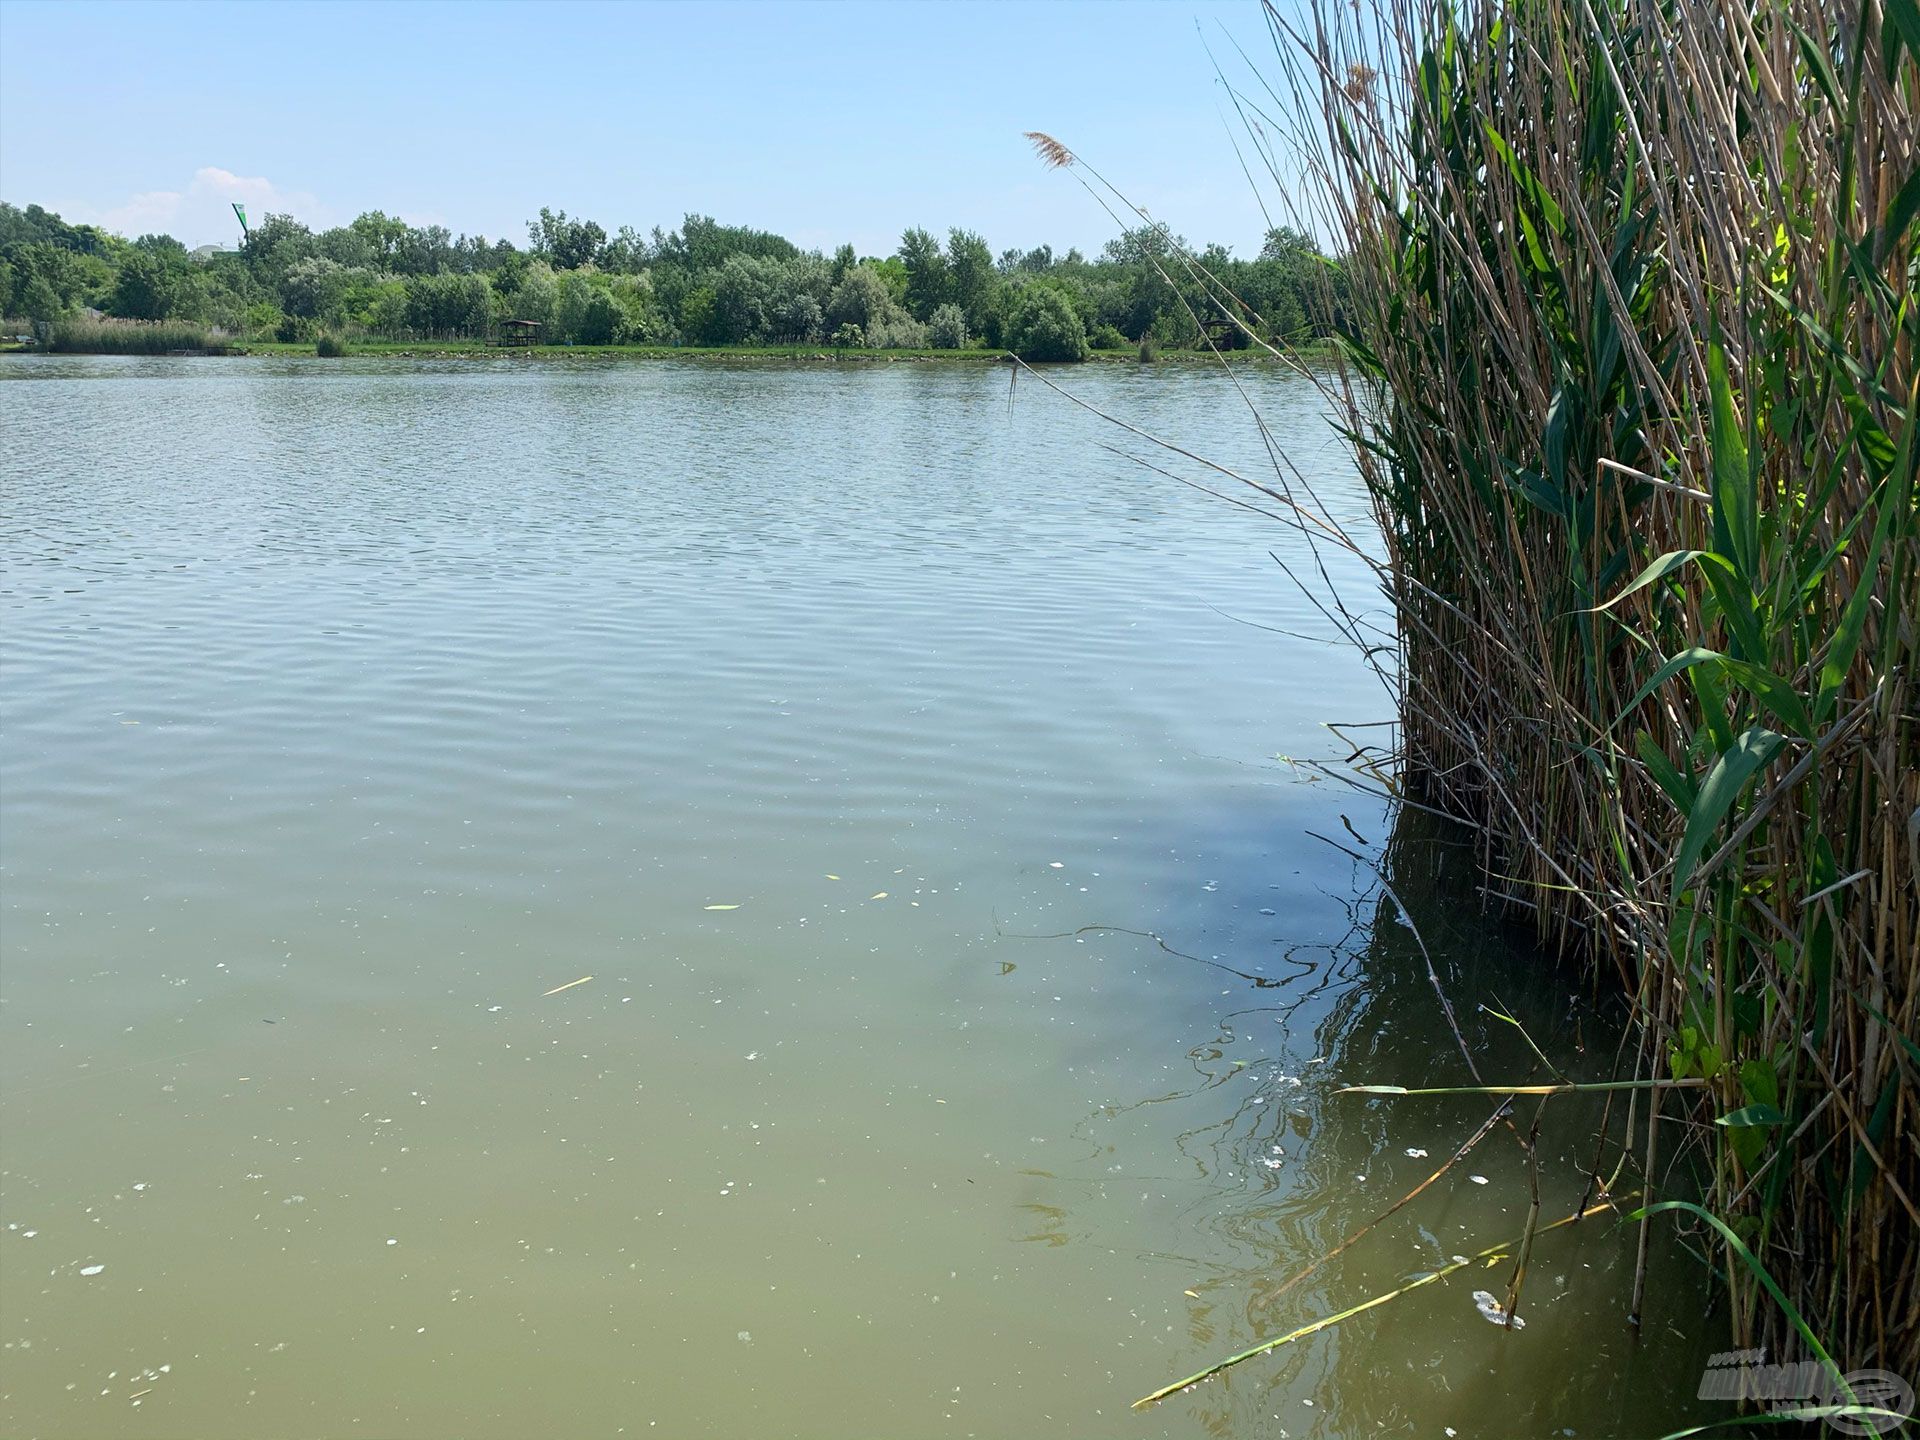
611 898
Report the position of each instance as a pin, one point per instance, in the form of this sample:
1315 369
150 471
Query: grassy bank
1633 375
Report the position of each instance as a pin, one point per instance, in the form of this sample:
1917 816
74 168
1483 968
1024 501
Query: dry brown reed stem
1267 1297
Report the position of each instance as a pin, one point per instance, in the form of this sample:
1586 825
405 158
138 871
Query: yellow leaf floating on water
881 895
568 986
723 907
1194 1293
833 877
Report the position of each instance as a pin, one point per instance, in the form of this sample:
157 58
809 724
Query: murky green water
350 708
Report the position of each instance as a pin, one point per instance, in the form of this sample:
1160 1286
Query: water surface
856 730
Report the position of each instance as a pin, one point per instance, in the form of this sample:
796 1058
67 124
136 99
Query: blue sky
824 121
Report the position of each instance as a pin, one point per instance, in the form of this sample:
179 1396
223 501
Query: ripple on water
843 718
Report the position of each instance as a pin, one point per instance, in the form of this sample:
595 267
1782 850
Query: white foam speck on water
91 1269
745 1337
1492 1311
1055 865
1415 1153
1478 1179
392 1241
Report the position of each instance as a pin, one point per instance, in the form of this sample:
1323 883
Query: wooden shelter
1220 333
518 334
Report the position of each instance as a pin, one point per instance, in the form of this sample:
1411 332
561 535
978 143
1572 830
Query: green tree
38 302
563 242
928 282
1044 326
861 298
697 316
534 298
272 247
601 319
382 235
972 278
141 290
1284 242
799 320
425 250
947 328
509 272
314 287
703 243
746 291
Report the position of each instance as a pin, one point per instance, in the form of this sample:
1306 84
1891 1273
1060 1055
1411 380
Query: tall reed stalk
1632 319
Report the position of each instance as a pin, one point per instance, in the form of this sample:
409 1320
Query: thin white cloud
201 213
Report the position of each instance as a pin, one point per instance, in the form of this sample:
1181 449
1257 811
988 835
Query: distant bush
899 331
849 337
292 329
861 298
1105 337
1045 327
329 347
82 335
947 327
1149 349
798 320
262 318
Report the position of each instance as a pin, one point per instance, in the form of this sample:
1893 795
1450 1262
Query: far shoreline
802 354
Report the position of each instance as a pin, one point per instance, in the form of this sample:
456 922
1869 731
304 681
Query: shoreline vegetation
1631 367
705 287
1635 386
201 344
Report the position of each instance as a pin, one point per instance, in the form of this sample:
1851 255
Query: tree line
703 284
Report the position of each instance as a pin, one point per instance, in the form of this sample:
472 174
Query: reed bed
1631 316
82 335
